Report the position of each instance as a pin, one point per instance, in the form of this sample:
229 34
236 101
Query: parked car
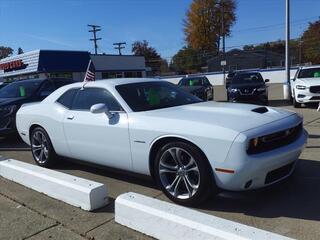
2 84
13 95
248 87
305 86
198 86
190 147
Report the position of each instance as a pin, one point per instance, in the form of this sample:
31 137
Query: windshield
309 73
245 78
21 89
154 95
191 82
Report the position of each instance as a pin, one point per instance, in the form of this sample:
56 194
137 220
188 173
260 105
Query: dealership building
69 64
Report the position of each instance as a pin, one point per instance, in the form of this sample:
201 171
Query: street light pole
287 80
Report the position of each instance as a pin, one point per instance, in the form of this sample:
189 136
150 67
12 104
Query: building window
60 75
133 74
111 75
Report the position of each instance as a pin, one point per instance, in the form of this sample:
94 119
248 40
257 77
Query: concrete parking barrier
79 192
167 221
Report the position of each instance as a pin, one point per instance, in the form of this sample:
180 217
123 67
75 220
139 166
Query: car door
94 137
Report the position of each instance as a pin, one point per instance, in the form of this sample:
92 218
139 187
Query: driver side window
87 97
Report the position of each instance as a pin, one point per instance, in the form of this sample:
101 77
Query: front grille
278 173
246 91
315 89
315 98
276 140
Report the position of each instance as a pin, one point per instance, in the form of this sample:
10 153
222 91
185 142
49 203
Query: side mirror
101 108
266 80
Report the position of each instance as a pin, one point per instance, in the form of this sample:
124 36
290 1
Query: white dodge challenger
152 127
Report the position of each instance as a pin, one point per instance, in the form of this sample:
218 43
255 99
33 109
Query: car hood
191 89
308 81
8 101
238 117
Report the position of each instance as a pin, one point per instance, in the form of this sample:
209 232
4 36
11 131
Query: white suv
305 86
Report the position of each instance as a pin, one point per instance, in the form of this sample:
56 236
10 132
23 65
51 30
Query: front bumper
252 98
305 96
7 125
259 170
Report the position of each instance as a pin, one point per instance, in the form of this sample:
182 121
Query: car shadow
297 197
12 143
279 103
122 175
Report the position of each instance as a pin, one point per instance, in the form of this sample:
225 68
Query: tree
188 60
311 43
153 59
20 50
203 23
5 52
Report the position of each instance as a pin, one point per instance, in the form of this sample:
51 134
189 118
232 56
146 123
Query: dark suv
198 86
13 95
248 87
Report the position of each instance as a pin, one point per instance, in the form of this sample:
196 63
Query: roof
116 81
308 67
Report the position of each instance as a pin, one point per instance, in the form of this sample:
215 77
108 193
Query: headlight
261 89
232 90
8 109
301 87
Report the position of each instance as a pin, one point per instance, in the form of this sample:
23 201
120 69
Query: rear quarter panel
47 115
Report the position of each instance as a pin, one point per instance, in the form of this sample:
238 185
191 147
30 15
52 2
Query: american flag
90 73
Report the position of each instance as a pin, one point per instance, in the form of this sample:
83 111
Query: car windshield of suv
154 95
247 78
191 82
309 73
21 89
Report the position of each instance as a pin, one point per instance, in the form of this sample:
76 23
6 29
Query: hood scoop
260 110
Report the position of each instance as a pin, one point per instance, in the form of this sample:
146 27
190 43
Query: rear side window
87 97
67 98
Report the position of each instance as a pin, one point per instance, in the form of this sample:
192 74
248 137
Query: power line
95 29
119 46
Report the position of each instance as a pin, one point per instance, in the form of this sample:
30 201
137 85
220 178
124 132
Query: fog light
301 96
248 184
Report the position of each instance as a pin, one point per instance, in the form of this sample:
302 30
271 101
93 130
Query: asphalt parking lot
291 208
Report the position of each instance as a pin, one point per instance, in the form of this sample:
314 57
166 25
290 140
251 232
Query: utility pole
119 46
300 51
223 41
95 29
287 80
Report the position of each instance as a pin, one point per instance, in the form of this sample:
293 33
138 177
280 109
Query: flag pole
85 75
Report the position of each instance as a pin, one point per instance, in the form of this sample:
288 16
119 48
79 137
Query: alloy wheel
40 147
179 173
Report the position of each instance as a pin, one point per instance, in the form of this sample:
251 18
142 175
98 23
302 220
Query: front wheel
295 103
183 173
41 148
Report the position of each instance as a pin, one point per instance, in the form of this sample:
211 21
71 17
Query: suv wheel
183 173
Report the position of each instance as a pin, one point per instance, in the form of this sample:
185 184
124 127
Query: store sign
13 65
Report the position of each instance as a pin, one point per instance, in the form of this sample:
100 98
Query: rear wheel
183 173
41 148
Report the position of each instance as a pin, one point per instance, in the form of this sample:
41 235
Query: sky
62 24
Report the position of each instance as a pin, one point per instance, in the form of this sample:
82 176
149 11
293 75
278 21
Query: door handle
70 117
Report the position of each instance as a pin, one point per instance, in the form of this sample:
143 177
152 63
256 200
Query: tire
41 148
184 187
295 103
